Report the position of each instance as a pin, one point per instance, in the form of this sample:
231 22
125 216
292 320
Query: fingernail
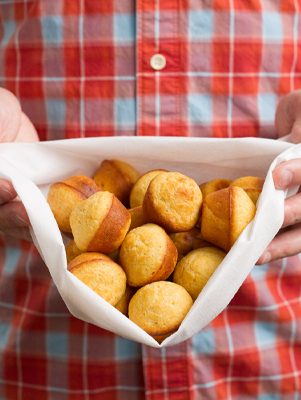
286 178
5 196
267 258
19 221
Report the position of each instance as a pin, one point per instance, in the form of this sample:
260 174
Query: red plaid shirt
82 68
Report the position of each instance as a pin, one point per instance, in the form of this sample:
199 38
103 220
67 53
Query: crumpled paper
32 168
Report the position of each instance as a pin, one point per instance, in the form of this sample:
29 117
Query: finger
288 112
7 191
292 210
296 132
27 132
14 220
19 233
13 215
287 174
283 245
10 116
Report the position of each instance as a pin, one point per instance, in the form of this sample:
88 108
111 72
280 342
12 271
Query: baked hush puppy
251 185
147 254
225 215
65 195
195 269
214 185
159 308
101 274
184 241
116 177
100 223
140 187
173 201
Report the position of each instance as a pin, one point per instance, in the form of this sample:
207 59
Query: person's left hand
286 175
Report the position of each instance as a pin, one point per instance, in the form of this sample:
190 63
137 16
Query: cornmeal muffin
147 254
137 217
100 223
225 215
251 185
214 185
184 241
101 274
116 177
159 308
140 187
173 201
65 195
195 269
123 303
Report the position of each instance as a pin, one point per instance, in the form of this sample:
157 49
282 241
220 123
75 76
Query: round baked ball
225 215
100 223
101 274
147 254
65 195
116 177
160 307
184 241
252 185
195 269
173 201
140 187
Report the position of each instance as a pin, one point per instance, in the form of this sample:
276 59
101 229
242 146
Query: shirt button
158 62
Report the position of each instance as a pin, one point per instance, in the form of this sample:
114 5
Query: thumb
288 116
10 116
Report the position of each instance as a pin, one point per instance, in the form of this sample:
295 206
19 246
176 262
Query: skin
16 127
286 175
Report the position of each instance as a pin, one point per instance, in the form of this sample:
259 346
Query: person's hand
286 175
14 127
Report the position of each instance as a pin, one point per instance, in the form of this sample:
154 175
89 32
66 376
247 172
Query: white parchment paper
32 168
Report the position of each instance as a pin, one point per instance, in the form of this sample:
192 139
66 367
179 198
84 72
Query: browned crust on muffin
74 189
86 257
214 185
83 184
168 264
78 265
215 224
137 217
113 229
112 179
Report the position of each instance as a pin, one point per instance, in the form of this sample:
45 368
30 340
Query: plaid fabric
82 68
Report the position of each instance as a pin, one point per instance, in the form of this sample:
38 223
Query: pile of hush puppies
149 244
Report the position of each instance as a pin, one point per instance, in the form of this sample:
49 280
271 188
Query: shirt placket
161 81
160 90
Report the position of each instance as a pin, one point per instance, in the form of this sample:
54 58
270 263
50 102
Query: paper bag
32 168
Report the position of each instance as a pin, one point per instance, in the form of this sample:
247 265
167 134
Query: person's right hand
14 127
